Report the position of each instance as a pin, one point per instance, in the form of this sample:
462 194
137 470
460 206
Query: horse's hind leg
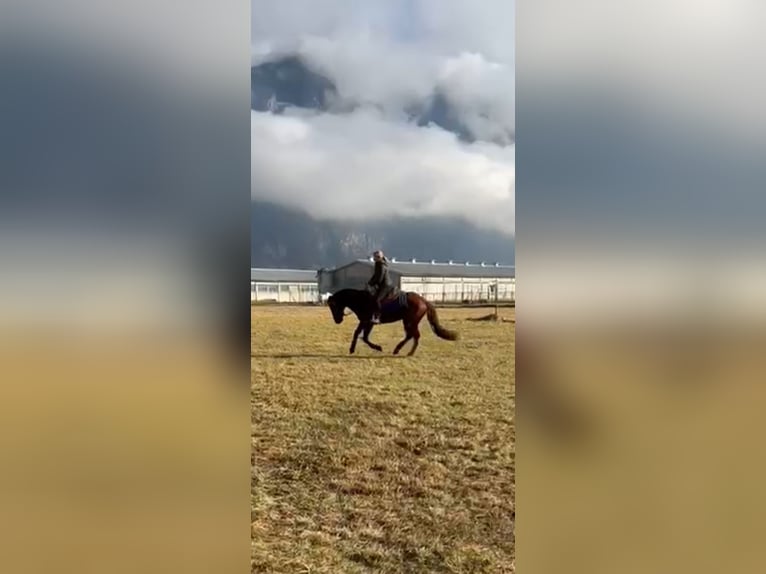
403 342
366 338
416 336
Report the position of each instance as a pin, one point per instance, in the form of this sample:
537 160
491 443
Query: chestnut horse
409 308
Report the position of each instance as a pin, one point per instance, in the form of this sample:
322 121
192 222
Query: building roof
434 269
283 275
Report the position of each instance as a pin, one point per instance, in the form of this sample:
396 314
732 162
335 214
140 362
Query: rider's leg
376 307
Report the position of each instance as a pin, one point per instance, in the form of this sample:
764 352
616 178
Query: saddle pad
397 303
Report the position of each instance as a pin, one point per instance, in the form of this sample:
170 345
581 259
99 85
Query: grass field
375 463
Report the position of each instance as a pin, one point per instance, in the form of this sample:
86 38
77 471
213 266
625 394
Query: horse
407 307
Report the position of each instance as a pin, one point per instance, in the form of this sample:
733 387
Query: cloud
390 56
445 27
391 53
361 165
482 92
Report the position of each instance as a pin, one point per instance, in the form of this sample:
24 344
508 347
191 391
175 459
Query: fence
276 292
469 292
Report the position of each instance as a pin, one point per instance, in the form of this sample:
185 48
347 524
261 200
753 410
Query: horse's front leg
355 337
366 337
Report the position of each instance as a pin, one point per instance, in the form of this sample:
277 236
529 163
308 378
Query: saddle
389 298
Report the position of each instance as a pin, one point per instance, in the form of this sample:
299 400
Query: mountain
439 111
282 237
288 82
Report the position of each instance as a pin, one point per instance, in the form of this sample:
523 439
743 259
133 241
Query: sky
371 162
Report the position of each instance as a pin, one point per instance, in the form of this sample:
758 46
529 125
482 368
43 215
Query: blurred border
124 316
640 286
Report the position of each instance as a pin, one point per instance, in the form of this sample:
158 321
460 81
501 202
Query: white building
284 285
439 282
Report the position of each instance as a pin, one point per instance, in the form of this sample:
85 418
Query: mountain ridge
283 237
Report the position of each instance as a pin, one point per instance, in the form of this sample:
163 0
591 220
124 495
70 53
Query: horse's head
336 308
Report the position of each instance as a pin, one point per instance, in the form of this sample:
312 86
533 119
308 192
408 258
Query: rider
381 282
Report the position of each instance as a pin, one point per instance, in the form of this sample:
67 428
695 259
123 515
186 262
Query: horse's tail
433 320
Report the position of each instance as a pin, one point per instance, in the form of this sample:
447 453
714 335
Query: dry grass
375 463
